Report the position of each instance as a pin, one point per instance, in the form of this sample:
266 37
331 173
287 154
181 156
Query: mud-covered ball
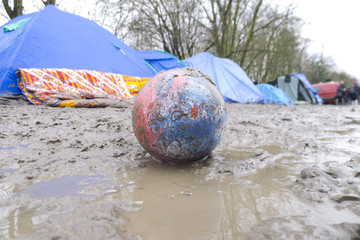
179 116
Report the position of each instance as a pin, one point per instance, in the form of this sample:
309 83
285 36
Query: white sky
331 25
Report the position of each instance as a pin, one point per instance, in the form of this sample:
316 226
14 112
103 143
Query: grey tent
294 88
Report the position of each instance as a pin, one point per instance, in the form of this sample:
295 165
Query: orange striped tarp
55 87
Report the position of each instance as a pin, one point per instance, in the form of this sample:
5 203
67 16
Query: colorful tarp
76 88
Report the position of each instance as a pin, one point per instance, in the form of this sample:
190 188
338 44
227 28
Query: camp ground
104 140
63 45
53 57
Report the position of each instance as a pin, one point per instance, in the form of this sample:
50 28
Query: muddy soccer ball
179 116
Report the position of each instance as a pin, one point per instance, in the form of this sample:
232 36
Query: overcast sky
331 25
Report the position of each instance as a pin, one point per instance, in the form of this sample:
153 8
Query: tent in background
274 95
307 84
161 61
294 88
231 80
55 39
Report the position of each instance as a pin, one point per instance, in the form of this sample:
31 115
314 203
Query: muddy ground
279 172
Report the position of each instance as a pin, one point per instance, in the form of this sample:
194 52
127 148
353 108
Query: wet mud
278 173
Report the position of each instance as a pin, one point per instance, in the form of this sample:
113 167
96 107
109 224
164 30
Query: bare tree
256 35
115 15
228 28
166 25
15 10
171 26
277 49
251 32
224 20
47 2
319 68
337 77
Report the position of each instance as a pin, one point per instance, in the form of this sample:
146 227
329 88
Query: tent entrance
294 88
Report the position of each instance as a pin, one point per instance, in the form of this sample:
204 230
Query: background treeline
262 37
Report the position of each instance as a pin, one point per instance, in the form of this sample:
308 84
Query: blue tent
161 61
307 84
274 95
55 39
231 80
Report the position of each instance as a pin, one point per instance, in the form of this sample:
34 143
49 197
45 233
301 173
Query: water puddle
13 147
230 206
175 199
21 221
9 170
69 196
69 185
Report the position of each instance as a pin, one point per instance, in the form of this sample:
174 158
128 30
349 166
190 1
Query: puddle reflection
69 185
20 221
12 147
228 206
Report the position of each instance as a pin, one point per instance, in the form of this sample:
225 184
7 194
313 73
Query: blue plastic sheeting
231 80
55 39
161 61
307 84
274 95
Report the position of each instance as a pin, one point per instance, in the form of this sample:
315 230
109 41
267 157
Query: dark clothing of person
340 90
341 93
354 91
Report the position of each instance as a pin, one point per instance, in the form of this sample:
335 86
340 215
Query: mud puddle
257 204
278 173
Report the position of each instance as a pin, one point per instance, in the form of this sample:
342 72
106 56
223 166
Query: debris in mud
314 185
188 194
336 182
344 198
352 229
241 166
278 228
